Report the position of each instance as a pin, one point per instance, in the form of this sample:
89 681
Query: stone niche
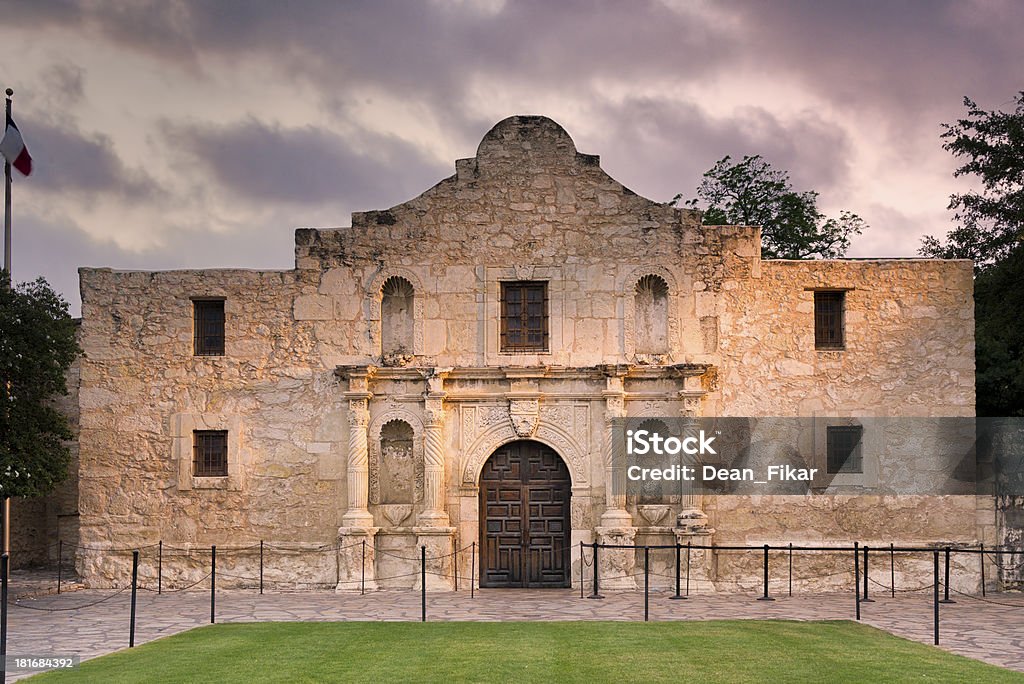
651 311
397 321
397 469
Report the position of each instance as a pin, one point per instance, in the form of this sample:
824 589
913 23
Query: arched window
651 315
397 467
396 320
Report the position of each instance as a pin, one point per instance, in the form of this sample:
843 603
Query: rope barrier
888 587
987 600
750 553
179 589
417 558
16 604
1003 566
111 549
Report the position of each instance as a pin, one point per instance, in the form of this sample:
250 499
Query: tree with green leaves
990 230
990 145
999 338
37 346
751 193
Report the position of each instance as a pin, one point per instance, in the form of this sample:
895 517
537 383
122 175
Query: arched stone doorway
525 489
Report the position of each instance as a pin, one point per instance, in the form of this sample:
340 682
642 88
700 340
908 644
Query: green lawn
723 651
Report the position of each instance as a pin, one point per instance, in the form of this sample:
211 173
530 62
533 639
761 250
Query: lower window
844 449
209 453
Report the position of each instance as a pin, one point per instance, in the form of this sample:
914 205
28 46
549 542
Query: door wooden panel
524 518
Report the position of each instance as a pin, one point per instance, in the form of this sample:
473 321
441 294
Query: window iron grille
210 453
208 327
828 319
844 449
524 316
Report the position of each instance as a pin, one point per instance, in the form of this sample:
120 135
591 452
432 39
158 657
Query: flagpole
7 208
8 282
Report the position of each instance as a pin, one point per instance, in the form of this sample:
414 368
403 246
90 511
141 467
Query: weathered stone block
313 308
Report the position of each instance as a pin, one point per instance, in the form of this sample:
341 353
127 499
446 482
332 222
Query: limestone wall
143 391
909 328
909 340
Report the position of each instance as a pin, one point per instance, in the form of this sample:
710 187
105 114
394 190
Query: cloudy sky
181 134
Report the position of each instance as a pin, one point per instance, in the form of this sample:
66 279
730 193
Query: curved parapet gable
528 195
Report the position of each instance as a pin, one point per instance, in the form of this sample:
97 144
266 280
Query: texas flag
13 149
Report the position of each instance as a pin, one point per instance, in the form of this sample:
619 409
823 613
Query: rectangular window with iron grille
828 319
524 316
208 327
209 453
844 449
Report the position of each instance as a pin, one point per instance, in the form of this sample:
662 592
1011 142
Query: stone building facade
447 371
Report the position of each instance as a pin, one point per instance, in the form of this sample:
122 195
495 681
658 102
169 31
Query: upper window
524 316
844 449
828 319
208 327
209 453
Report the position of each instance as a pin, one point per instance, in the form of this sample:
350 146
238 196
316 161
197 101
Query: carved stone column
356 534
434 513
615 514
358 463
616 528
691 515
432 524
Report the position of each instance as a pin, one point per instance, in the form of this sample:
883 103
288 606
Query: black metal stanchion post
423 583
647 584
582 563
892 569
865 598
4 563
687 569
765 597
261 567
945 590
472 570
679 553
60 558
135 584
455 564
213 584
983 569
595 594
935 596
791 569
856 576
362 572
160 567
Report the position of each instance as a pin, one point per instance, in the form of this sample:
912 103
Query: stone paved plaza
988 630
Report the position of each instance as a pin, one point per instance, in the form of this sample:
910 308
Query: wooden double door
524 517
